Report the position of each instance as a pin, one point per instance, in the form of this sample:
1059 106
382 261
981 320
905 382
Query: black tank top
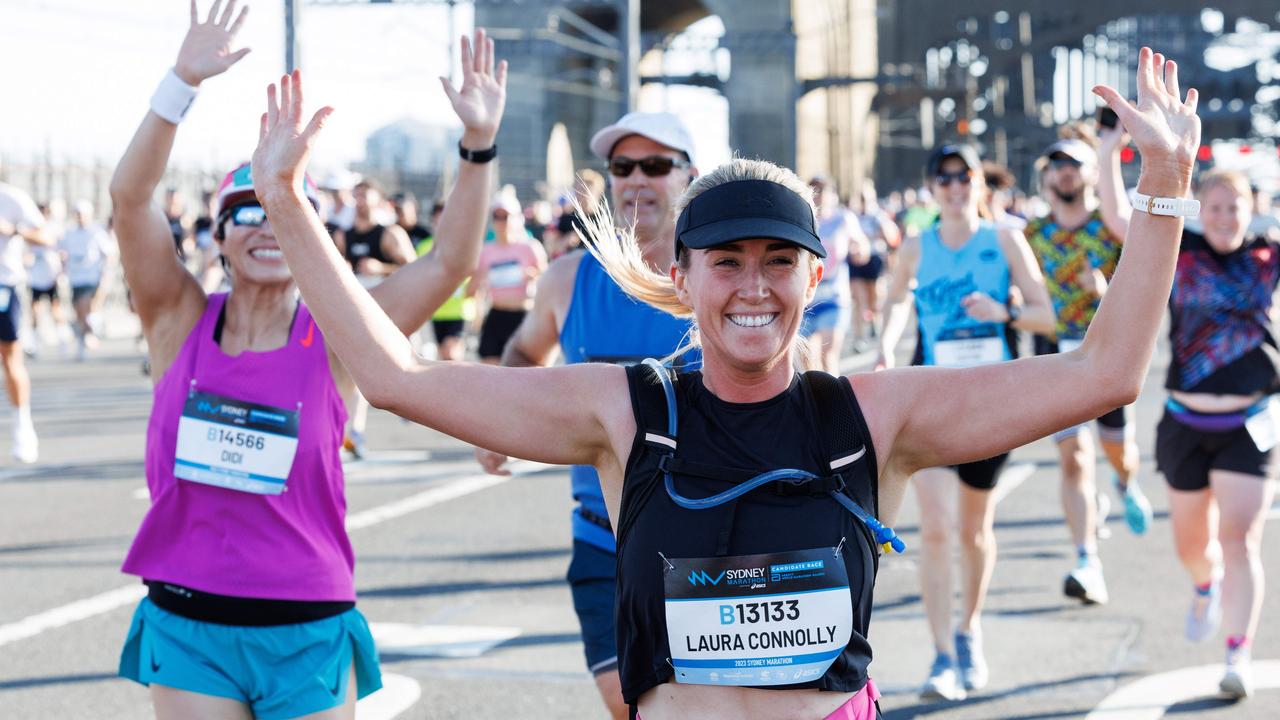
367 244
782 432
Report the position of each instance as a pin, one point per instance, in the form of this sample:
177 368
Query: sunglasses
1058 162
652 166
964 177
249 215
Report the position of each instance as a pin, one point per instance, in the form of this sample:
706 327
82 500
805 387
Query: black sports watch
1015 312
478 156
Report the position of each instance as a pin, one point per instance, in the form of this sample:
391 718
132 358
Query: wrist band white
172 98
1173 207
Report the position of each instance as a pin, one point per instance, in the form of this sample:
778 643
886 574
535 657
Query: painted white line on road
1151 697
1012 477
142 493
437 495
398 694
79 610
447 641
1275 513
106 602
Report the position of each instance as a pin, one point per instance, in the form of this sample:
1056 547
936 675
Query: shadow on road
924 709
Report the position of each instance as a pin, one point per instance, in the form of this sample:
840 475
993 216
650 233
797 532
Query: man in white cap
1078 245
580 310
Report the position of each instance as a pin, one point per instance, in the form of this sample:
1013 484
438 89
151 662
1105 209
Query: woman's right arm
574 415
897 306
168 299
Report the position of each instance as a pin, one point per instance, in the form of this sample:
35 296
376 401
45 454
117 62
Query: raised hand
1163 126
480 101
284 145
206 50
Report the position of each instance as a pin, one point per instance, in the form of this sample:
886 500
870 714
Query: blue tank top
604 324
948 336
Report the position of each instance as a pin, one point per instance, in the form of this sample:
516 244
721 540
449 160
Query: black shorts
498 327
981 475
49 292
10 313
445 329
80 292
871 271
1185 455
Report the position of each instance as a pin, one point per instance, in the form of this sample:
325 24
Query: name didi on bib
775 619
235 444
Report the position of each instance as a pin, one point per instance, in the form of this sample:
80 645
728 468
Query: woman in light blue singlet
964 269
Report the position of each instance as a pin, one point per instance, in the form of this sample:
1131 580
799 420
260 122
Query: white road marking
142 493
398 694
1152 696
106 602
65 615
448 641
1275 513
1011 478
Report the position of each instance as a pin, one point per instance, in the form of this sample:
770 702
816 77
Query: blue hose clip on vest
884 536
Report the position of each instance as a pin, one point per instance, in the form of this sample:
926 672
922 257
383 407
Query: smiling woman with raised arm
251 597
746 495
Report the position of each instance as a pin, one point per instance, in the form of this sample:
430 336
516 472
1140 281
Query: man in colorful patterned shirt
1078 245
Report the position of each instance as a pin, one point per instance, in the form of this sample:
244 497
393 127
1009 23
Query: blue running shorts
280 671
592 579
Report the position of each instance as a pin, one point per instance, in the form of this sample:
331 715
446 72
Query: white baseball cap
1078 150
660 127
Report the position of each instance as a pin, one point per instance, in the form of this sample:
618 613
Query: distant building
412 155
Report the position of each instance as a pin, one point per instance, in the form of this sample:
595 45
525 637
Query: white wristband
172 98
1172 207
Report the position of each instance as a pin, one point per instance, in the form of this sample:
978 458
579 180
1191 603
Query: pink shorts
862 706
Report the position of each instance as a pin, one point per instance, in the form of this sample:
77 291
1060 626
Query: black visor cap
747 209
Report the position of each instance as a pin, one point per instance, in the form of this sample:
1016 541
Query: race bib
967 347
6 297
775 619
235 444
1066 345
1263 425
506 274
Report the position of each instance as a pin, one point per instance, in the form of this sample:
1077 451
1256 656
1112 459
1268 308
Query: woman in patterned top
1216 443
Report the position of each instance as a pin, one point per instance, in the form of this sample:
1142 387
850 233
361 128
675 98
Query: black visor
746 209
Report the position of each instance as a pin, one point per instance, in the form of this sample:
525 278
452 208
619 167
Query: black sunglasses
1062 161
964 177
652 166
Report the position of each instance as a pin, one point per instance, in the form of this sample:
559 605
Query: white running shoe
1205 614
1237 681
943 682
971 661
1085 582
26 446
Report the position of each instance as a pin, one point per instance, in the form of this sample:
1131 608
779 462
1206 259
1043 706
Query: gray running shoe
1237 681
974 673
1205 614
1085 582
943 682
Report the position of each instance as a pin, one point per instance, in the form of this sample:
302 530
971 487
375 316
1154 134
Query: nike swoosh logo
155 666
337 683
311 331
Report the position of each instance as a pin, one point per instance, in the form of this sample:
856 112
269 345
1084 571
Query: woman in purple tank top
251 597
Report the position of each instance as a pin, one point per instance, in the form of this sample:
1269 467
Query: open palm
206 50
480 101
1163 126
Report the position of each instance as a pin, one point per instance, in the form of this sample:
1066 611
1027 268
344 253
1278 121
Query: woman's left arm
411 295
929 417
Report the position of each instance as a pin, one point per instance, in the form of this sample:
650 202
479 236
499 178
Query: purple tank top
289 546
